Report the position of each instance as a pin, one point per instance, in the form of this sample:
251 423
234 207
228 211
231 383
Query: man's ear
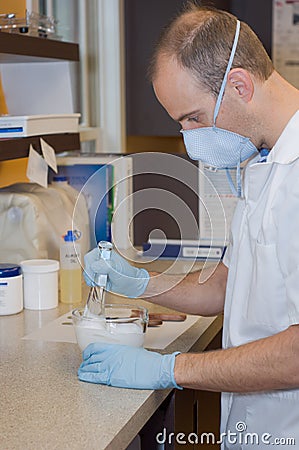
241 80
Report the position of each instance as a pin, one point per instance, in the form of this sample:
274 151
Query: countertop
44 405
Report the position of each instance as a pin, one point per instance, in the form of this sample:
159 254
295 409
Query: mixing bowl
121 324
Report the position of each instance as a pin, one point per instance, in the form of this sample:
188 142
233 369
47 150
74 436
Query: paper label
70 256
37 168
191 252
49 155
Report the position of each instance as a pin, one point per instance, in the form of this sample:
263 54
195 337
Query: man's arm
267 364
264 365
190 295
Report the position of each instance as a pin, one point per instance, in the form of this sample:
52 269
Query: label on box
49 155
37 168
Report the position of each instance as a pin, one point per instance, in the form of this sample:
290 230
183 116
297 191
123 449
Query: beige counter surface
43 404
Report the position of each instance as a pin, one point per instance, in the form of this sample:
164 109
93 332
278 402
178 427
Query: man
213 76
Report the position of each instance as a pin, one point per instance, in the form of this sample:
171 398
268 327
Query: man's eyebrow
184 116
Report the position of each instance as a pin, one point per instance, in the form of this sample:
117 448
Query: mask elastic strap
237 192
224 81
239 181
231 183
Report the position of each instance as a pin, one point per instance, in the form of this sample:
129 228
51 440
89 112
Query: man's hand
123 278
127 367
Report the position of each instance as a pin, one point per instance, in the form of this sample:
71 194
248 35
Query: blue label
3 284
11 130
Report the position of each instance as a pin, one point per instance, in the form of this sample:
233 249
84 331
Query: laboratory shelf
20 48
19 147
15 48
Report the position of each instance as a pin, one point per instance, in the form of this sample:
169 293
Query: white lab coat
262 295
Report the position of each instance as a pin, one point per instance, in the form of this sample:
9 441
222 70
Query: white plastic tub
40 280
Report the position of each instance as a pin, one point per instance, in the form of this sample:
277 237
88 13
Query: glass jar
121 324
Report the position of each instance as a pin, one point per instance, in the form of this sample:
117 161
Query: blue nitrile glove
127 367
123 278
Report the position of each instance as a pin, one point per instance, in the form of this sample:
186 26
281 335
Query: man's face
186 101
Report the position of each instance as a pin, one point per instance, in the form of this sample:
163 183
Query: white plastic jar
11 289
40 278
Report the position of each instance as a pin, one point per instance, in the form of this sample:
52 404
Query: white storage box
22 126
122 219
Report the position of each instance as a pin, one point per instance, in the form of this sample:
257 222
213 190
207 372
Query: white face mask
216 147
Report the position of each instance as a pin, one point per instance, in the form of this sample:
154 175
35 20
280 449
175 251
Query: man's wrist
174 380
150 290
179 370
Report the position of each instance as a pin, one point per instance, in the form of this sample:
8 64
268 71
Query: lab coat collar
286 149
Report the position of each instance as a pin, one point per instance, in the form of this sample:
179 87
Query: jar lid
39 265
8 270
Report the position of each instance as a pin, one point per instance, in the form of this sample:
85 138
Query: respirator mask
218 148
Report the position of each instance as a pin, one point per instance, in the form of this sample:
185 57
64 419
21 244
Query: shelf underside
19 147
22 48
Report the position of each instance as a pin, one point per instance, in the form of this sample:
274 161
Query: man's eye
193 119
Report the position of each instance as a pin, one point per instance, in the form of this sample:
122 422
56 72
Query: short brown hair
201 39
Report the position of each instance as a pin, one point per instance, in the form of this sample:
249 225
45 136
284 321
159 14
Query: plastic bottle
11 289
70 269
76 209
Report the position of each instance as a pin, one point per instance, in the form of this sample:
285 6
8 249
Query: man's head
208 73
200 41
189 65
